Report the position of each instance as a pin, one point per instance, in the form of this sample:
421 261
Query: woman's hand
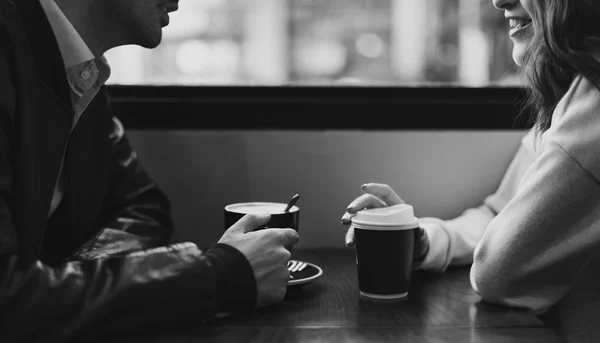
382 195
375 195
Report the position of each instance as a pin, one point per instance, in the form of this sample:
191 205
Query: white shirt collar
72 47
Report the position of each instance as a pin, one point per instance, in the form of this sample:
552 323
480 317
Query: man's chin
151 41
152 45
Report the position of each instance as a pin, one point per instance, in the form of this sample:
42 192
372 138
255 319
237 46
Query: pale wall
439 173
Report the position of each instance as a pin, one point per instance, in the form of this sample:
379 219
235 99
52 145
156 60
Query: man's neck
78 13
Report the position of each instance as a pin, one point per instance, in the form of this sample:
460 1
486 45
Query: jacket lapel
86 167
45 117
45 50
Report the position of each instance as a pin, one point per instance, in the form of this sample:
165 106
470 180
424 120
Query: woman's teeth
519 23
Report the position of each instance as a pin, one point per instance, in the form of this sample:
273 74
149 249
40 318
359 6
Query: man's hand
266 252
380 195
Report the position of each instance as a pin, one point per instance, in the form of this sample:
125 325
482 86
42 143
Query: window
325 42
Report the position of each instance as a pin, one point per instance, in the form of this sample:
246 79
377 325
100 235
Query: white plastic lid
397 217
259 207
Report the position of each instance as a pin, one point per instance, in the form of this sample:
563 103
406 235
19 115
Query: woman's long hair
567 35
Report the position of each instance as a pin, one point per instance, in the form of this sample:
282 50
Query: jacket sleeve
536 248
136 213
158 288
150 290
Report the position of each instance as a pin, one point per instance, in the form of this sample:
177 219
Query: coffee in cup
384 241
279 218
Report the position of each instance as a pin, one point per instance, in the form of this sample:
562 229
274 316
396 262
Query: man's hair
566 39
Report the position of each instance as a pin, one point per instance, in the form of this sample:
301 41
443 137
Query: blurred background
325 42
414 43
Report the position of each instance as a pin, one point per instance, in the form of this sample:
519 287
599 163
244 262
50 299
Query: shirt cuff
236 284
436 258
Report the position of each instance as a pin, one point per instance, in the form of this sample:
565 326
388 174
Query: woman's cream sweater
535 242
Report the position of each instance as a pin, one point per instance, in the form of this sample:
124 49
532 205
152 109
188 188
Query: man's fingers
350 237
291 237
383 192
287 237
250 222
365 201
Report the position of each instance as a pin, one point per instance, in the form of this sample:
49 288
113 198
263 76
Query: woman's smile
519 27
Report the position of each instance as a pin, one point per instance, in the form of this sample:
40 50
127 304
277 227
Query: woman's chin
520 50
519 56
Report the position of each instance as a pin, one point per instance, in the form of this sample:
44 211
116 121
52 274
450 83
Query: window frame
318 107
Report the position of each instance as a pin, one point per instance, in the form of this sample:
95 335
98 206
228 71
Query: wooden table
440 308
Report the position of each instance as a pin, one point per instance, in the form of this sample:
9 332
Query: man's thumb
250 222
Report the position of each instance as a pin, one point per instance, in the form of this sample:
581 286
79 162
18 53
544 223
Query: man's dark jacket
100 264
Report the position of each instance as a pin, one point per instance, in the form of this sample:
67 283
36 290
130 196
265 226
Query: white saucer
309 274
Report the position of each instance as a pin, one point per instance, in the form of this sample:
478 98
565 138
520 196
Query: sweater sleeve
452 241
534 250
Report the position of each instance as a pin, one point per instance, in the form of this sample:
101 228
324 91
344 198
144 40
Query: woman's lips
520 27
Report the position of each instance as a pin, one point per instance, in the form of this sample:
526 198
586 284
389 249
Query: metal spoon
292 202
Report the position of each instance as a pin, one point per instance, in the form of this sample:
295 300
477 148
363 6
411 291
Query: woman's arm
534 250
452 241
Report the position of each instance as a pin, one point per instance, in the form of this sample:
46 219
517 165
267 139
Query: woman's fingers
365 201
350 237
375 195
383 192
